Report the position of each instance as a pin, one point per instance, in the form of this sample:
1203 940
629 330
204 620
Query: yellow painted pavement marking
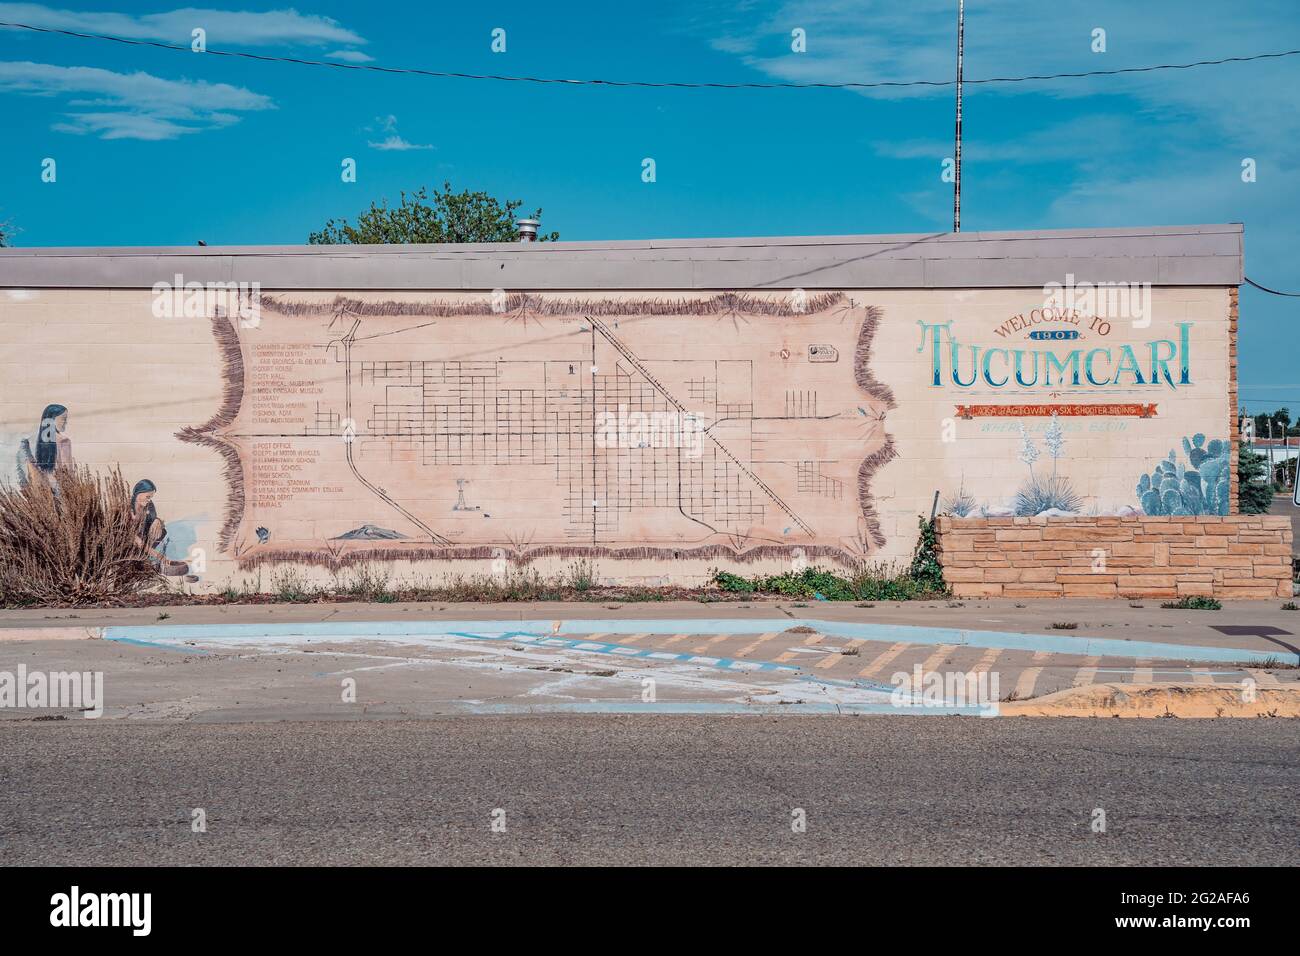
988 660
1088 672
791 655
881 662
833 659
750 648
703 648
676 639
935 659
629 639
1025 685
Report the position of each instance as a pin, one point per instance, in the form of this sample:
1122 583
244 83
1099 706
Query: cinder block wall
1233 556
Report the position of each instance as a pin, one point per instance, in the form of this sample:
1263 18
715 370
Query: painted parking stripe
709 643
1263 678
881 662
620 650
934 660
676 639
988 660
750 648
1142 674
1201 675
1025 685
833 659
1087 673
790 655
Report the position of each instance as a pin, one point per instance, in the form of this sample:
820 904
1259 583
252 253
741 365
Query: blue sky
155 147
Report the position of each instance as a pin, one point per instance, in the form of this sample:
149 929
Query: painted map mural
549 426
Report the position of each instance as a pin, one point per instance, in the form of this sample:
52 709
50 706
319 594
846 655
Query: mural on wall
727 425
1203 489
1068 353
48 449
42 456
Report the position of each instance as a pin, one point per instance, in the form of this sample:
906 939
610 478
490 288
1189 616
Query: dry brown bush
77 546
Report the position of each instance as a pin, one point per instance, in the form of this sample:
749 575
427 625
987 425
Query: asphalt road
651 790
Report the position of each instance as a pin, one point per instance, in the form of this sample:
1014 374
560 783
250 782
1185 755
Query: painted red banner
1063 411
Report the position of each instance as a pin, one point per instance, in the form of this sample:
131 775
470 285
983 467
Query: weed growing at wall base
863 582
71 539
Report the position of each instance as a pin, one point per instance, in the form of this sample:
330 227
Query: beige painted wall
804 458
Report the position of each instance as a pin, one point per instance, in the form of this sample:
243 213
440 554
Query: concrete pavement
349 669
1275 629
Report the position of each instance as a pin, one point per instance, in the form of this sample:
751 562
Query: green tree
1254 489
443 217
1282 424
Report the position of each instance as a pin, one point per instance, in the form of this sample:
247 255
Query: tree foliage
445 216
1254 490
1282 424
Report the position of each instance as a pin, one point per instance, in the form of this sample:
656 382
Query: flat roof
1161 255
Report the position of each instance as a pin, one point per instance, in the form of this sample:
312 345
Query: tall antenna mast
956 185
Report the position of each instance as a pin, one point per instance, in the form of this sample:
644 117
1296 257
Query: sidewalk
1248 625
288 662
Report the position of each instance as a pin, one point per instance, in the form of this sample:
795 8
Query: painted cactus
1175 489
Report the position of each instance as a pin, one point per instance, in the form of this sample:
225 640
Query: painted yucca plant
1041 494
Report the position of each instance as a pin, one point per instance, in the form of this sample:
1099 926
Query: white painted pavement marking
790 654
1201 675
1142 673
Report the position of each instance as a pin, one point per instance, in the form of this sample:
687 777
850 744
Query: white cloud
229 27
349 56
393 141
396 142
138 105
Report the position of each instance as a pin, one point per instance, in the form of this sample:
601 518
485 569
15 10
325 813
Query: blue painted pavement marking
867 631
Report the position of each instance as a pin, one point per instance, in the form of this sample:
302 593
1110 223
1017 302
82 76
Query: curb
1158 700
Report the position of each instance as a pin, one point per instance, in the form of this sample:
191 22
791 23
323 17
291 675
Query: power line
447 74
1264 288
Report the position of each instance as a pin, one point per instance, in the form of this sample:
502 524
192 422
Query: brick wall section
1231 556
1234 424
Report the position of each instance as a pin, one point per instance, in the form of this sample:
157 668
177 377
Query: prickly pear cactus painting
1201 489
